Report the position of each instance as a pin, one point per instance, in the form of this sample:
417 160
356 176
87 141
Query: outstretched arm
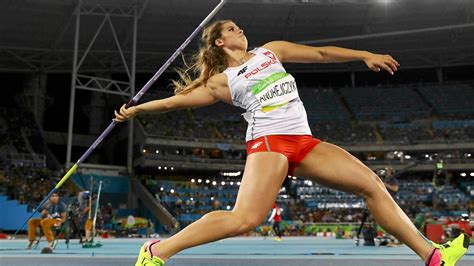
198 97
289 52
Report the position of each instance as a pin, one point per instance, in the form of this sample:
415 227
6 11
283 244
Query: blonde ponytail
209 61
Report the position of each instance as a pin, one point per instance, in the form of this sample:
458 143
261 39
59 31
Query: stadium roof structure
39 35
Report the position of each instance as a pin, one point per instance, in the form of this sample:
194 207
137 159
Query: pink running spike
434 258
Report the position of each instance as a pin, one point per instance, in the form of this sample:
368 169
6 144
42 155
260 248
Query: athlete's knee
252 222
247 222
372 187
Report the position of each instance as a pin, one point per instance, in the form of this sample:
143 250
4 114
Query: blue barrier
13 213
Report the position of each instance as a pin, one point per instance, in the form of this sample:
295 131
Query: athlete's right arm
198 97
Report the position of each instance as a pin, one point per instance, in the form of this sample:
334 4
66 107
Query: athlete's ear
219 42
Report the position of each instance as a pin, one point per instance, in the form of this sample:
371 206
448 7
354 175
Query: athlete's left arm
288 52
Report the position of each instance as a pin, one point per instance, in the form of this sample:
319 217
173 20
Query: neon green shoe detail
452 251
145 258
155 261
439 246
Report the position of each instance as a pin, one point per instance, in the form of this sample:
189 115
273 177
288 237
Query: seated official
53 213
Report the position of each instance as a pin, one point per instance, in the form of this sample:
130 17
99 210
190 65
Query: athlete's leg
332 166
263 176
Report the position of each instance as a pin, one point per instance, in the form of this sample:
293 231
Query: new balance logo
256 145
242 71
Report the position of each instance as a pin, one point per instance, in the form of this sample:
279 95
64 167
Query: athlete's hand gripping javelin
125 114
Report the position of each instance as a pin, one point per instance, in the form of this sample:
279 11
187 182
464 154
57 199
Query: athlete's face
232 37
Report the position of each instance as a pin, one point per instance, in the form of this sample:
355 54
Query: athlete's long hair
209 61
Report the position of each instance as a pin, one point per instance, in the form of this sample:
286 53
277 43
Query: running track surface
247 251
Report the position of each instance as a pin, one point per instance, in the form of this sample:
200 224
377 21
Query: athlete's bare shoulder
276 47
217 80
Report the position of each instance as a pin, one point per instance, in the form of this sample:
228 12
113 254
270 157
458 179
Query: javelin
132 102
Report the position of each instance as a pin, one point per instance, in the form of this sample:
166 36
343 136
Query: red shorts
294 147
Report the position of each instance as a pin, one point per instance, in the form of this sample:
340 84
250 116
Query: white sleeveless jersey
269 95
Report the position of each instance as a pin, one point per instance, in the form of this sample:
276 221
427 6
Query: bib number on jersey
275 91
